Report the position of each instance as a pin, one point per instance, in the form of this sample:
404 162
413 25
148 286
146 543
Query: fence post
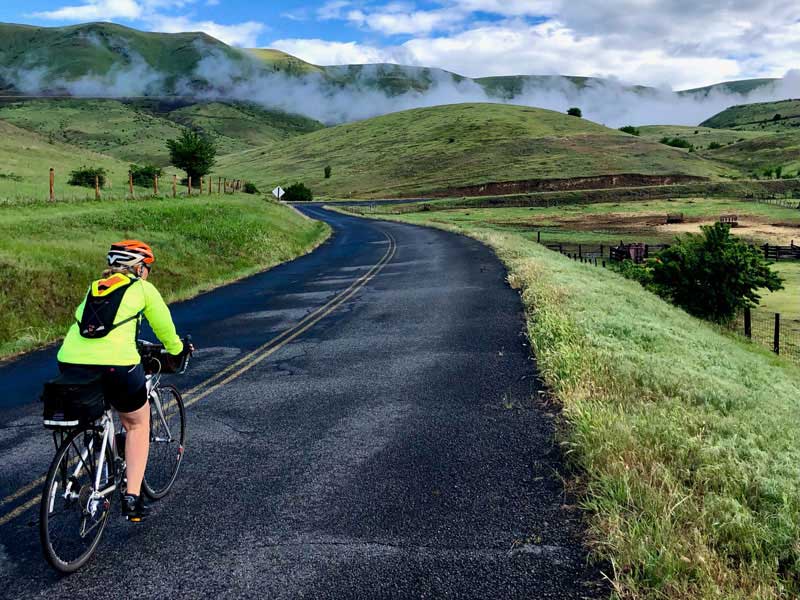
580 251
225 184
155 185
766 250
174 186
219 185
604 264
560 248
776 342
130 183
189 184
538 237
96 187
748 324
52 184
210 179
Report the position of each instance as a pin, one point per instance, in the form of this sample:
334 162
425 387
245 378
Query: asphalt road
393 447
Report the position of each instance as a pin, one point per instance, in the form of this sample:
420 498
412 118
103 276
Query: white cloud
95 10
238 34
394 20
322 52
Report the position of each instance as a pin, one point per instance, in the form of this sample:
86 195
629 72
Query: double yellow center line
236 369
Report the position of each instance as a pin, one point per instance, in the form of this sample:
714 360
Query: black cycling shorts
124 387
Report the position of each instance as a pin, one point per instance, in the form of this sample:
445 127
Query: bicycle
89 465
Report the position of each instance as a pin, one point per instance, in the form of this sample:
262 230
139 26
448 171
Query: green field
25 161
137 132
684 439
49 252
435 149
700 137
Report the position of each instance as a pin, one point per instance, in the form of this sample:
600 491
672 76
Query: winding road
364 422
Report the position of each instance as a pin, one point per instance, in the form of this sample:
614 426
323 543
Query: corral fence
790 202
777 332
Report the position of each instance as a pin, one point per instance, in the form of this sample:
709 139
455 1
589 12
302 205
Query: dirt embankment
574 183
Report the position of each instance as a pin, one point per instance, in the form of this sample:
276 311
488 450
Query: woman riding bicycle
103 339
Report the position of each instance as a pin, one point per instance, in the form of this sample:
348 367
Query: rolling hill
136 131
38 60
26 157
437 149
761 116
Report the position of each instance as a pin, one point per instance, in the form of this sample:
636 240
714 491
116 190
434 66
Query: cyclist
103 340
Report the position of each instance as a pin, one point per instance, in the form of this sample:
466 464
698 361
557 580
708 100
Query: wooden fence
206 186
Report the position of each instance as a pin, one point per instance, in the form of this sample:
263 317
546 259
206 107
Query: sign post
278 192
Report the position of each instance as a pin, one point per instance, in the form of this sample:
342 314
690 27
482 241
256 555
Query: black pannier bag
73 399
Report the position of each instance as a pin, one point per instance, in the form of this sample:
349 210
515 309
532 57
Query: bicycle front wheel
167 438
73 512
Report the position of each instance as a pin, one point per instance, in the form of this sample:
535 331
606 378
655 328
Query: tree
631 130
298 192
328 172
194 153
575 112
712 275
143 175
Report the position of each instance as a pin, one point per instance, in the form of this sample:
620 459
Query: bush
630 129
676 142
84 176
575 112
250 188
143 175
194 153
298 192
712 275
328 172
777 117
714 146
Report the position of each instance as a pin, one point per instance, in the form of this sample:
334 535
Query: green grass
700 137
755 155
137 131
97 48
49 253
760 116
435 149
685 440
787 300
25 161
284 63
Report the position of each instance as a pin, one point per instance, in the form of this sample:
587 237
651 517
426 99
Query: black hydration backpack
101 309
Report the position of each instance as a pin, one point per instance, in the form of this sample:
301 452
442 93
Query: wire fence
775 331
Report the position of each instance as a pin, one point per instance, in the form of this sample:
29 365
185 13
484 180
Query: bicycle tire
57 475
165 457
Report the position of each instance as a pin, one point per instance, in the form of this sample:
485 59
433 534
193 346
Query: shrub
250 188
630 129
575 112
194 153
777 117
714 146
298 192
778 172
676 142
84 176
143 175
328 172
712 275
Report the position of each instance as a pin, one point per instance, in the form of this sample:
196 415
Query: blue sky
671 43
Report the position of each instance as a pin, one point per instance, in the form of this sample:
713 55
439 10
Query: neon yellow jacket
118 348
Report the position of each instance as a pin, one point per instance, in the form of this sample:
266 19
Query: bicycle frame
106 424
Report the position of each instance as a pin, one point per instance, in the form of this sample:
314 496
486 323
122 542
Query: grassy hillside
97 48
684 439
755 155
763 116
26 158
700 137
199 243
434 149
279 61
742 86
137 131
508 87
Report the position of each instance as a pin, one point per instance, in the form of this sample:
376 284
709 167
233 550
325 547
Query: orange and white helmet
130 253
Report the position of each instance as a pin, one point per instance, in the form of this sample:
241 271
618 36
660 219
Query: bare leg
137 445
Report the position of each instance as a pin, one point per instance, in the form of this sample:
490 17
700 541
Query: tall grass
685 440
50 252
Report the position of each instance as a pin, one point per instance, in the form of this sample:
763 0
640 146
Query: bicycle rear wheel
72 516
167 438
